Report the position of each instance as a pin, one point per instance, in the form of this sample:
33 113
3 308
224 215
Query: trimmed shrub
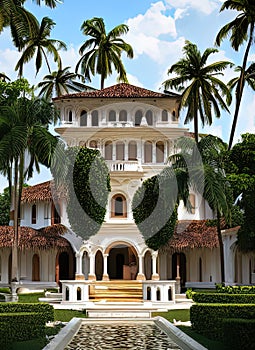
5 335
207 319
24 325
235 289
239 333
46 310
223 298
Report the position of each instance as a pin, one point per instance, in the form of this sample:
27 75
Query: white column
126 150
78 274
140 275
153 152
113 151
105 274
92 275
155 275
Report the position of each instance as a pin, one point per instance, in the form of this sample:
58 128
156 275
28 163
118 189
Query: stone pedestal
155 277
140 277
106 277
92 277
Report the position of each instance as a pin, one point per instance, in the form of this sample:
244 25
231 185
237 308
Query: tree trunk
14 274
222 265
240 87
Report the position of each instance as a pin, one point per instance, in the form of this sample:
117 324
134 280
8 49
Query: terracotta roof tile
44 191
192 234
46 238
118 90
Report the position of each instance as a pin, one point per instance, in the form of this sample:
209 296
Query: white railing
124 165
120 124
159 291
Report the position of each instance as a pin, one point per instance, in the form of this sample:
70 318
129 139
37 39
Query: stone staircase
116 291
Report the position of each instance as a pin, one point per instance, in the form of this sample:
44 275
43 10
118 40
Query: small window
160 152
149 117
138 117
119 206
123 116
33 219
83 118
94 117
148 152
164 116
70 117
112 116
108 150
174 116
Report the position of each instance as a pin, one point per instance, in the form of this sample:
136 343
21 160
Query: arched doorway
65 269
99 265
147 265
179 260
35 268
122 262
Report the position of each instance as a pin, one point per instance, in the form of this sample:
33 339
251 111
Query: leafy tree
24 139
242 178
85 175
241 30
154 209
202 91
102 50
5 204
40 45
59 83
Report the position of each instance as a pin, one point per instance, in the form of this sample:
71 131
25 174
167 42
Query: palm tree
59 83
241 29
249 77
24 137
201 166
21 22
40 45
102 50
201 89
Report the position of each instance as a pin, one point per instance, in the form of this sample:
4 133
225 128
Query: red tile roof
44 191
118 91
29 238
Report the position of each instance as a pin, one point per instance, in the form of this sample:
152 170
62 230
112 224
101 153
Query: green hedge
46 310
235 289
223 298
239 333
207 319
5 335
24 325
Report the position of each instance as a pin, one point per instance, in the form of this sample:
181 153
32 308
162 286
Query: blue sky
157 32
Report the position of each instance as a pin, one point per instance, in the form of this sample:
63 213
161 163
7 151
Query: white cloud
205 6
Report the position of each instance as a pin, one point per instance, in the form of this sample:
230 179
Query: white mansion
134 130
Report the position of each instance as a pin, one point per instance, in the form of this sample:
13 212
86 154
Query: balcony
124 165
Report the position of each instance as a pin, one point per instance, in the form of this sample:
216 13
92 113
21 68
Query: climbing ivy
88 186
155 211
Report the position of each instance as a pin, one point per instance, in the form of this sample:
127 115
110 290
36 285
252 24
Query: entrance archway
65 269
122 262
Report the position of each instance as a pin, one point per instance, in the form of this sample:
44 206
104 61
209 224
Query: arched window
112 116
94 116
78 293
148 152
108 150
33 216
83 118
132 150
119 206
149 117
192 200
138 117
93 144
174 116
160 152
164 116
120 151
70 116
148 297
123 116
